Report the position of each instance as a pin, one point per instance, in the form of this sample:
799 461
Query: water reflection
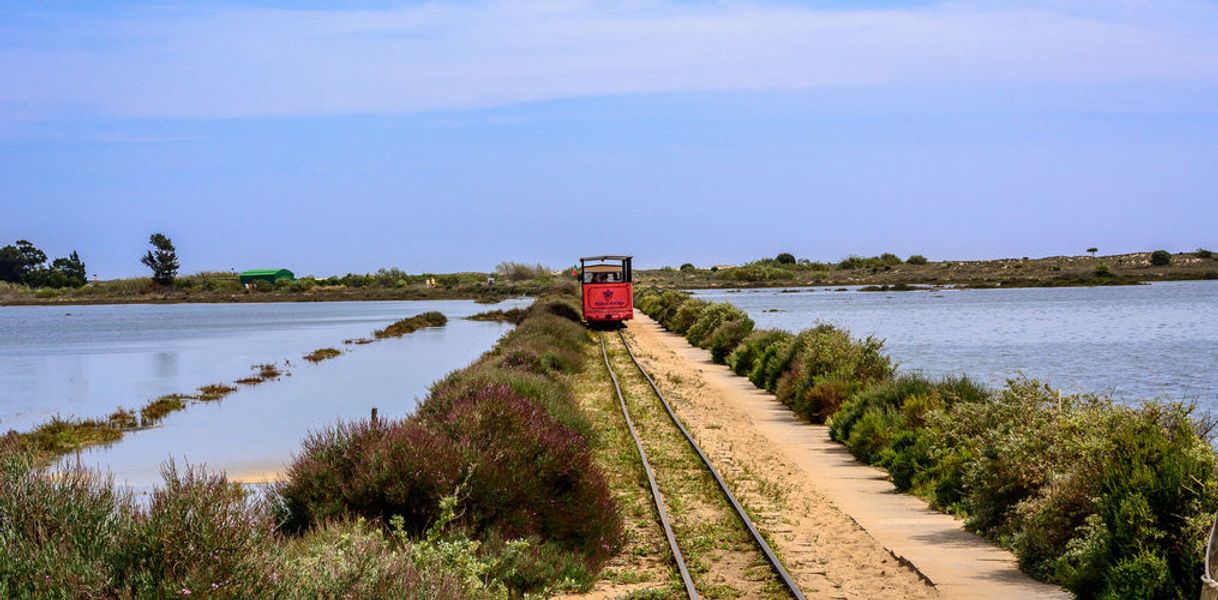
166 364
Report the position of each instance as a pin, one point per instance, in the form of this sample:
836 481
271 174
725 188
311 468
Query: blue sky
347 136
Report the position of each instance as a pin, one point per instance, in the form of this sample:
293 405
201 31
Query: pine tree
163 261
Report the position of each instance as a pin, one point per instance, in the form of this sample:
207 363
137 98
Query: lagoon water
89 360
1136 342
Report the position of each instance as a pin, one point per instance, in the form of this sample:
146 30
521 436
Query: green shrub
785 258
887 398
744 358
709 319
355 559
688 267
826 367
1203 253
756 272
685 316
773 362
726 337
1160 258
853 261
916 259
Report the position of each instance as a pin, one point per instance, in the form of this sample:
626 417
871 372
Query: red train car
606 284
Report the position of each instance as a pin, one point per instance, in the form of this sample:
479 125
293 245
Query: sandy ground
840 522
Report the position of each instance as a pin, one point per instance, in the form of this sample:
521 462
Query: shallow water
1136 342
103 357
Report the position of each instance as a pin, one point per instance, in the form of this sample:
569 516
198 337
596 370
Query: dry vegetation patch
321 354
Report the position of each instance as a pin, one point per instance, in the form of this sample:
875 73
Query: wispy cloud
226 61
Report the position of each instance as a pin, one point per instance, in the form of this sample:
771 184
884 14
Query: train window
603 274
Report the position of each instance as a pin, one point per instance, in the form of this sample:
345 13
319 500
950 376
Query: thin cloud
235 62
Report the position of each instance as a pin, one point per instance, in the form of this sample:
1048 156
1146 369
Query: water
98 358
1135 342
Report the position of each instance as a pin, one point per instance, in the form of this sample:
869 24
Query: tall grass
1108 500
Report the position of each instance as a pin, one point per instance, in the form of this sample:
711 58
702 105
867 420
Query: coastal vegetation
321 354
1106 499
223 286
60 436
888 269
411 325
262 372
488 491
511 315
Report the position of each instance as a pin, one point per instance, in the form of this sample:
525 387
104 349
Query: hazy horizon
334 137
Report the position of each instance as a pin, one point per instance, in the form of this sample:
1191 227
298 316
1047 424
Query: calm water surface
1136 342
90 360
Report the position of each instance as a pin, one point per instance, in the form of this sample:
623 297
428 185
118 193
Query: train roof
603 268
606 257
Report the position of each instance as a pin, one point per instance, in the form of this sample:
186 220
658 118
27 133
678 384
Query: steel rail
651 479
775 564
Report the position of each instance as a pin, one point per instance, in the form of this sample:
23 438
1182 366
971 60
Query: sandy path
827 553
746 429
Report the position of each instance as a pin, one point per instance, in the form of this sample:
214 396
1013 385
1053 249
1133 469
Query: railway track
678 558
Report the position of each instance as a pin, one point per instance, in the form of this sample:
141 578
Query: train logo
607 294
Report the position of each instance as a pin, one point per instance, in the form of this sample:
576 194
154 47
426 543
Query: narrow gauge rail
770 557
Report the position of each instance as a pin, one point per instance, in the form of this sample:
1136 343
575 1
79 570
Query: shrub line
1107 500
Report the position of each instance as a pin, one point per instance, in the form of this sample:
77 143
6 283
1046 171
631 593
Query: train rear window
603 277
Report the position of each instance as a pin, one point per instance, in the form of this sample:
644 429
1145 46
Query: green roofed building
271 275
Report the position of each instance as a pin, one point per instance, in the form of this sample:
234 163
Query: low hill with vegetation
888 269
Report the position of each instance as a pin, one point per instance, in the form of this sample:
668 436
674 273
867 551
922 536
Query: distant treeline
24 263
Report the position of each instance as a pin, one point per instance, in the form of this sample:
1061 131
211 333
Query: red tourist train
607 288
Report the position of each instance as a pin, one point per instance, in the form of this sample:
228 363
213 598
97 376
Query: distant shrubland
1108 500
384 284
887 271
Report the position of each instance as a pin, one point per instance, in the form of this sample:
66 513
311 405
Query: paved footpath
958 563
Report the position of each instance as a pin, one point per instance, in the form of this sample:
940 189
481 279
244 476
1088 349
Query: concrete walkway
958 563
